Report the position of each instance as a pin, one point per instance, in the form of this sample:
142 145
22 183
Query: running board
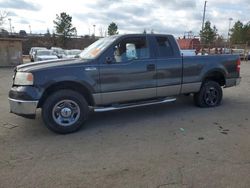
110 108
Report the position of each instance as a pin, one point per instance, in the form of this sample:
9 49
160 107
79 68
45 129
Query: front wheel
65 111
210 95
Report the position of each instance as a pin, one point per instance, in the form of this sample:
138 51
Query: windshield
60 51
44 52
37 48
97 47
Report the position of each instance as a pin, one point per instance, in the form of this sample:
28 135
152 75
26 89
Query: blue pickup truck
118 72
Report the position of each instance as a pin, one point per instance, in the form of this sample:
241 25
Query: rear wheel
210 95
65 111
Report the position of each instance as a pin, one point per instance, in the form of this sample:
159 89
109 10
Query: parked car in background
246 55
56 48
226 50
191 52
204 53
41 55
59 52
72 53
33 51
240 52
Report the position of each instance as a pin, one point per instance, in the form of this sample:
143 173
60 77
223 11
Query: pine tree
112 29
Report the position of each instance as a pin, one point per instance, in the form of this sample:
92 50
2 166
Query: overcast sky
132 16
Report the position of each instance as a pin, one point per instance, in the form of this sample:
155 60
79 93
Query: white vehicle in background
200 53
191 52
33 51
42 55
226 50
59 52
72 53
239 52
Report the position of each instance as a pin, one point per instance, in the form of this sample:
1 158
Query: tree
246 33
237 33
208 34
64 27
3 16
112 29
47 34
240 33
219 41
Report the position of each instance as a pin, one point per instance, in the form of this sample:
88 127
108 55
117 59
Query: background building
190 43
10 52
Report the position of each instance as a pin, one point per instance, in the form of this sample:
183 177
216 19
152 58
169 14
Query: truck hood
40 65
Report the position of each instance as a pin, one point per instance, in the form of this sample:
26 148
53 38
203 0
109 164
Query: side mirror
109 60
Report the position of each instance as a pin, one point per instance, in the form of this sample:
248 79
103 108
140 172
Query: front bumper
23 108
232 82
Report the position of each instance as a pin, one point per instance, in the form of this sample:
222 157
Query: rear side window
164 47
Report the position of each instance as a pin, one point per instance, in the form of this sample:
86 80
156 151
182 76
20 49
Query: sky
132 16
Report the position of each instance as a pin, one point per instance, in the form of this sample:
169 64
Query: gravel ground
170 145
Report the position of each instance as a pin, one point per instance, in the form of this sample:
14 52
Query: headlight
23 78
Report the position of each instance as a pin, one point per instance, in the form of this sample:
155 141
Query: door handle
151 67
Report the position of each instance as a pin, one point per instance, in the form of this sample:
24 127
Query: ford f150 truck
118 72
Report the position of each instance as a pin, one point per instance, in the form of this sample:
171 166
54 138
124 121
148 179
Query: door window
131 49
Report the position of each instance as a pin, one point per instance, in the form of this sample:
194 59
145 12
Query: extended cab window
164 47
131 49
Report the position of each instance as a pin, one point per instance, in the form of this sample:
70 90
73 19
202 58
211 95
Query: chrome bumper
23 108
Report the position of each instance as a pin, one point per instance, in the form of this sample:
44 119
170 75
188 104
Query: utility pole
30 29
228 34
202 27
204 15
10 25
94 29
101 31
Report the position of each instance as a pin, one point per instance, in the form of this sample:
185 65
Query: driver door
129 74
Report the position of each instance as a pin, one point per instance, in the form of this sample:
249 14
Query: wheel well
67 85
217 77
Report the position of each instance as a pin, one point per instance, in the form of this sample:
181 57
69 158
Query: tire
210 95
65 111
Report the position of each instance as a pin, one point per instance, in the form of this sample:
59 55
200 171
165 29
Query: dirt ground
170 145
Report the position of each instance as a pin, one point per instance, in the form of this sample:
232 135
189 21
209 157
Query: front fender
46 78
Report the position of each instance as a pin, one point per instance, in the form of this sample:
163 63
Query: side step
133 105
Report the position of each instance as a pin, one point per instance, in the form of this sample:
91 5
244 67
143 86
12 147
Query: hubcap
211 96
66 112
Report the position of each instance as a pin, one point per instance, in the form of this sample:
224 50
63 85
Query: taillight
238 66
